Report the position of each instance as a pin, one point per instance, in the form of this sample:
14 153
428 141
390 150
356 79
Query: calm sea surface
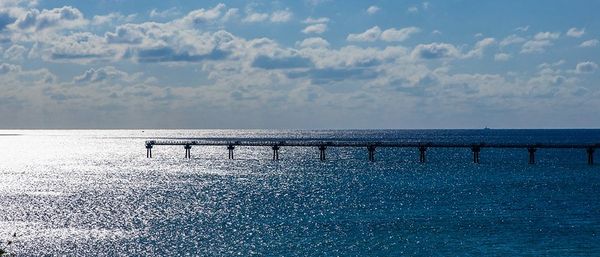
93 192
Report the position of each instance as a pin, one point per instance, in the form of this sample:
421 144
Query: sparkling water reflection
95 193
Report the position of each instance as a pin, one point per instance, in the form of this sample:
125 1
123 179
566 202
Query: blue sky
299 64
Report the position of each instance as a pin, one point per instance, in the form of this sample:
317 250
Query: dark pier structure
323 144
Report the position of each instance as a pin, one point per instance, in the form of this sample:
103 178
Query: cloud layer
175 64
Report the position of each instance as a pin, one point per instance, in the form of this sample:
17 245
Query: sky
304 64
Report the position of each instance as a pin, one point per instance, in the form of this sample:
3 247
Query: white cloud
101 74
547 36
171 12
315 28
540 42
400 35
314 42
435 51
502 57
388 35
535 46
369 35
522 29
13 3
281 60
372 9
480 47
575 32
169 42
277 16
311 20
80 47
260 73
586 67
317 25
256 17
551 66
8 16
202 16
15 52
590 43
130 33
6 68
112 18
415 8
485 42
58 18
512 39
281 16
230 14
105 19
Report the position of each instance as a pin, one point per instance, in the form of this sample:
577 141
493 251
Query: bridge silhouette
370 146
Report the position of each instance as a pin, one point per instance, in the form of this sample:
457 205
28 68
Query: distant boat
486 128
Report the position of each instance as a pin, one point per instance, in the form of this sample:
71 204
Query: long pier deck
371 146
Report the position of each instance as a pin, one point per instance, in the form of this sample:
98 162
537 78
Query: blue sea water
93 192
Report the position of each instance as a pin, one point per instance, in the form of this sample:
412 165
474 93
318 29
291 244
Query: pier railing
371 146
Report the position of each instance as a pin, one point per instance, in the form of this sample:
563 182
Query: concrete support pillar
371 149
322 152
590 155
148 151
531 151
230 149
275 152
476 149
188 151
422 151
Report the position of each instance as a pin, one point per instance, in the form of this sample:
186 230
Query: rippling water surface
94 193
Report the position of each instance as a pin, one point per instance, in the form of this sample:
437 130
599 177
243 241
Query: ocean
94 192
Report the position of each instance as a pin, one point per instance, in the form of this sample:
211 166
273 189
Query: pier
323 144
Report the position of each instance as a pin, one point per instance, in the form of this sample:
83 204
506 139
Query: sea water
94 192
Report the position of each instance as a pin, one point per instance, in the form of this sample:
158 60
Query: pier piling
422 151
476 149
188 152
275 152
148 150
590 155
230 149
322 152
531 151
371 149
